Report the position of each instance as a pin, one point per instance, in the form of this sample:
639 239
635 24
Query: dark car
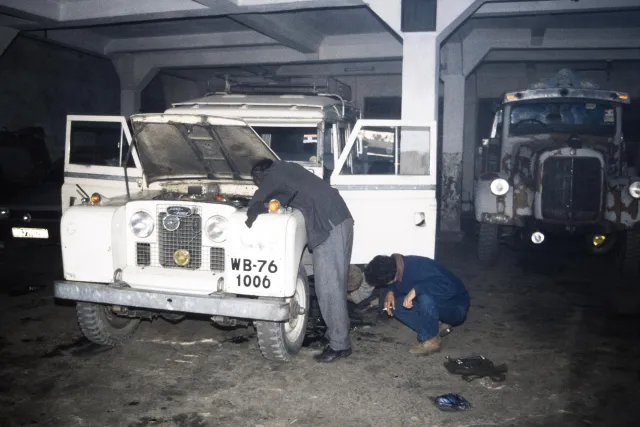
30 185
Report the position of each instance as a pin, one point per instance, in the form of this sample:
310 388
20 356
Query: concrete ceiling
197 39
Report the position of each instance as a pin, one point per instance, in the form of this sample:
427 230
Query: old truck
160 232
556 163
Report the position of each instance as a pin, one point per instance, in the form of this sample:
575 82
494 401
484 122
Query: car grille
571 189
188 237
217 259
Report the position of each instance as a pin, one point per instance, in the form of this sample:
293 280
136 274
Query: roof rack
323 86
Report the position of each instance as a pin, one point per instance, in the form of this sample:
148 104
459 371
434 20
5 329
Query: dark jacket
427 276
290 183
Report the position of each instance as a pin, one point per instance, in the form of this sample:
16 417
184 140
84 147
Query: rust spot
520 199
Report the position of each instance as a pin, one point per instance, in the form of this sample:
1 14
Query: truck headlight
499 187
634 190
4 213
141 224
216 228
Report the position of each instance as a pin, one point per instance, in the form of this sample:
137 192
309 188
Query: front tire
488 246
101 326
280 341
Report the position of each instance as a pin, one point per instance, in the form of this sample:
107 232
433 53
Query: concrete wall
370 86
43 83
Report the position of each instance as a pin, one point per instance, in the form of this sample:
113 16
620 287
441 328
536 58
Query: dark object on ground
451 403
476 367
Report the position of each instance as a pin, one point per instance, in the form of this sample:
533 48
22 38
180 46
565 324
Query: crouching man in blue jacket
422 294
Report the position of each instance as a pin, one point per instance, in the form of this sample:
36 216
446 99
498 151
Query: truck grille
187 237
571 189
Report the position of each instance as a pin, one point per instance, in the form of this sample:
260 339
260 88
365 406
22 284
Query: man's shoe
426 348
330 355
444 329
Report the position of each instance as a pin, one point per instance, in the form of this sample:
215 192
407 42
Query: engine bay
204 193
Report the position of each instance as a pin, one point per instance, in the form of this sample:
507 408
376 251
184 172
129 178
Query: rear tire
280 341
488 246
99 324
629 255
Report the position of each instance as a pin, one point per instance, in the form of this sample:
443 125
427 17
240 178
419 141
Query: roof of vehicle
567 93
319 101
269 110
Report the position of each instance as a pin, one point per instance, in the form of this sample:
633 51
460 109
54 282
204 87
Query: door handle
419 219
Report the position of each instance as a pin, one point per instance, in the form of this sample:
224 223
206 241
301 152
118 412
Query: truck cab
556 163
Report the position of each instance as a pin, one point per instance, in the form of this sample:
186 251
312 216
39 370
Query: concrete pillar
452 137
129 101
6 37
452 145
470 142
134 77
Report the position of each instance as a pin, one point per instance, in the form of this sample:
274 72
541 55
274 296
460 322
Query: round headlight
634 190
216 228
499 187
141 224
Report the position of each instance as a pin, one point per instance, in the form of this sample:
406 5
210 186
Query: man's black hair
380 271
259 169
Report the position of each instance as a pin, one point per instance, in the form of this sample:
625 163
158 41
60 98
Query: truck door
95 153
387 176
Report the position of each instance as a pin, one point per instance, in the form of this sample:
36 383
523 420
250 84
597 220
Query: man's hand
390 303
408 300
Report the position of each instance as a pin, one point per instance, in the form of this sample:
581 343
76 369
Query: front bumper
213 305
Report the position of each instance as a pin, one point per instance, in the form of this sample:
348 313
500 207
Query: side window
98 144
389 150
296 144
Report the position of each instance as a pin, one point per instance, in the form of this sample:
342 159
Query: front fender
621 208
93 242
264 260
490 208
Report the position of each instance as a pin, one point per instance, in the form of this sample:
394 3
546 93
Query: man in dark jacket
329 235
422 294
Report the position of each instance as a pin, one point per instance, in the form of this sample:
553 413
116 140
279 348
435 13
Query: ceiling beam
562 55
188 41
289 30
82 40
514 8
340 48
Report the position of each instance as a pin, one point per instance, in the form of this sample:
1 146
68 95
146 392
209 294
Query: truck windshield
297 144
180 150
577 117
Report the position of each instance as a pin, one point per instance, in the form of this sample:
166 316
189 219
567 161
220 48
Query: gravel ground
566 329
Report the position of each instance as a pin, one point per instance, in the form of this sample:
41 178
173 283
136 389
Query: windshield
297 144
579 117
179 150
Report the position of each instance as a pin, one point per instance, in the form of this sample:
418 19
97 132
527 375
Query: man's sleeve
363 292
421 287
257 204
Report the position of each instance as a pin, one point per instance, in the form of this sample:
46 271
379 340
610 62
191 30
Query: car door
95 153
387 176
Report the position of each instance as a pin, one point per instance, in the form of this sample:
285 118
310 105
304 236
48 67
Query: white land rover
159 229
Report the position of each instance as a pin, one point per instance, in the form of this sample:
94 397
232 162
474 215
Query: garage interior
451 63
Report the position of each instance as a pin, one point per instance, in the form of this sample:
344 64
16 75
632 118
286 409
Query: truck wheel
629 257
488 245
101 326
279 341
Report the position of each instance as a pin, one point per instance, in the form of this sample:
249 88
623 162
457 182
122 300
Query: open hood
189 146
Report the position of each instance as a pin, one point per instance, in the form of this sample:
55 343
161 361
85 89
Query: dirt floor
567 331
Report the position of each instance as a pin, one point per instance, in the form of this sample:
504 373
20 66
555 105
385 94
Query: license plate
254 272
30 233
